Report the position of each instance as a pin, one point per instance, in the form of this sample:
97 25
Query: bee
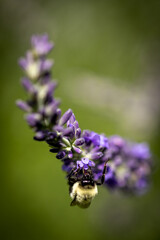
82 186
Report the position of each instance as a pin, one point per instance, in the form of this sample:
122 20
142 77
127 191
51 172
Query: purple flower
50 109
99 141
23 105
79 142
141 151
85 163
117 141
40 136
66 116
45 65
41 44
110 179
31 66
61 154
33 119
141 186
28 86
34 67
126 170
96 155
77 150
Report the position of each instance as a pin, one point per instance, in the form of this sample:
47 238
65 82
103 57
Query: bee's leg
103 174
74 202
71 172
74 171
72 176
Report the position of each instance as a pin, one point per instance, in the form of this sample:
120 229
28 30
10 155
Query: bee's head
87 180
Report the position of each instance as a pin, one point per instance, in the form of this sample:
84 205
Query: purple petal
141 151
41 44
78 133
28 86
58 128
66 116
85 166
91 163
96 155
79 142
70 154
30 65
117 141
79 164
40 136
51 136
71 120
51 87
58 112
33 119
23 105
68 132
104 142
96 140
46 65
85 160
77 150
61 155
76 124
23 63
51 108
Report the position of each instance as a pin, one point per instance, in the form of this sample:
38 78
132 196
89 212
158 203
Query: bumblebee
82 186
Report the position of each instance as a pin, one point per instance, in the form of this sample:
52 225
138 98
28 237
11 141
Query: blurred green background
107 56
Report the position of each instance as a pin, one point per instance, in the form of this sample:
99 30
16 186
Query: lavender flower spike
88 158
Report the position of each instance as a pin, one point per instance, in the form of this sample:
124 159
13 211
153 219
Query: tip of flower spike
41 44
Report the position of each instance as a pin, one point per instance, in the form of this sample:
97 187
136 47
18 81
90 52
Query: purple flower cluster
129 165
